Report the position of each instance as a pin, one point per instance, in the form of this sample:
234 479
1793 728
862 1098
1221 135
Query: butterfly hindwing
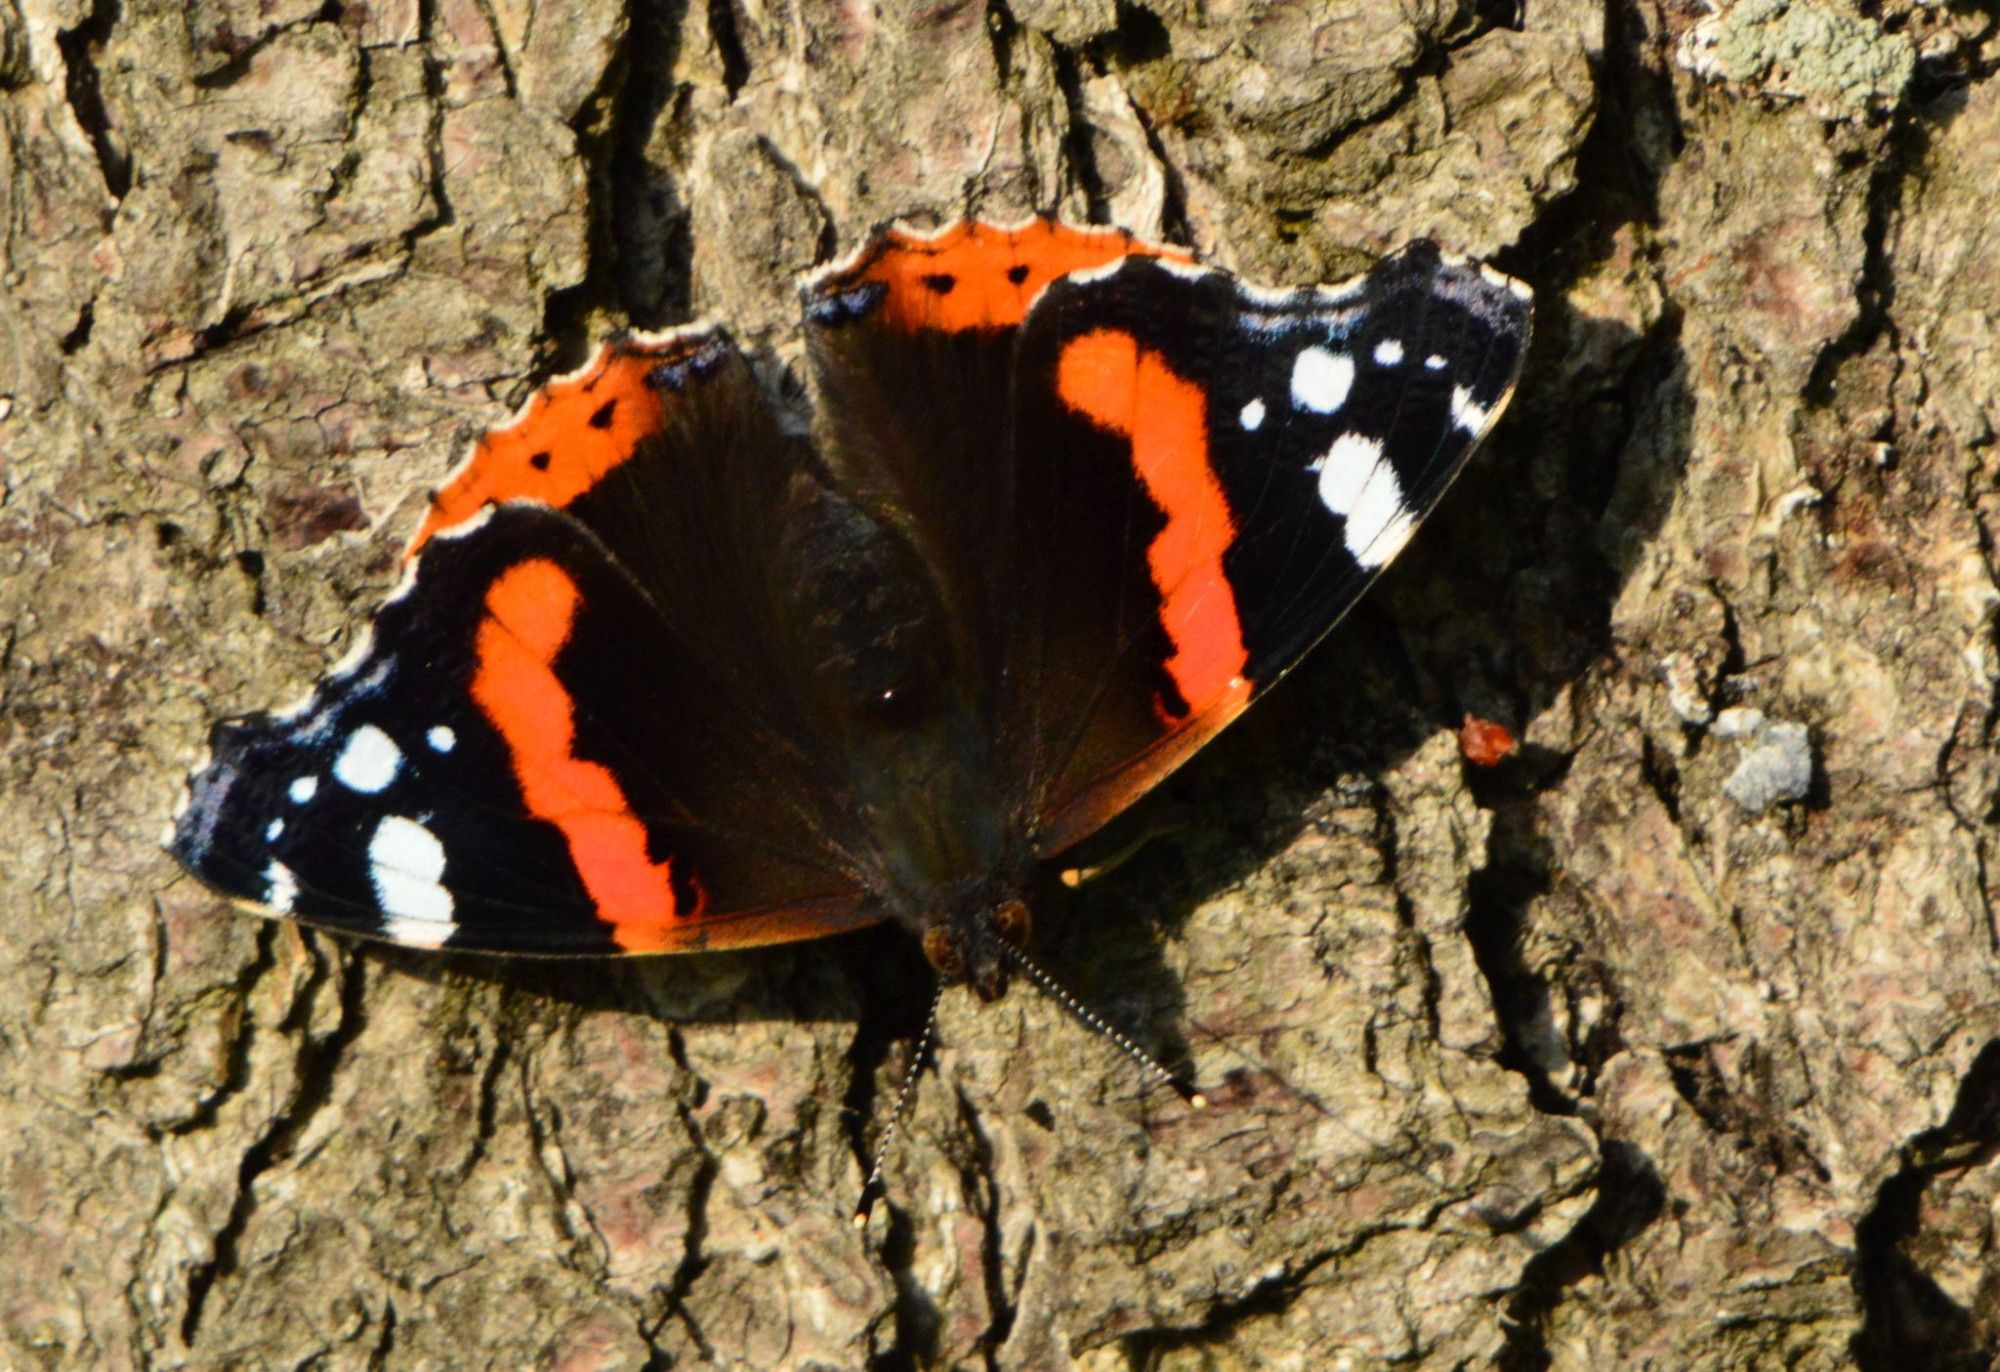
911 343
1207 477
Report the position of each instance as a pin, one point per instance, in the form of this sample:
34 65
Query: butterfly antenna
872 1188
1095 1022
1073 877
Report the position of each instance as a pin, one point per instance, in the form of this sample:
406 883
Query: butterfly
675 668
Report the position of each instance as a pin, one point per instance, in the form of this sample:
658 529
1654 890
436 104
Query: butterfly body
669 674
940 847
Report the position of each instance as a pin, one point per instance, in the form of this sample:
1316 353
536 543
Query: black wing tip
199 837
190 835
1501 301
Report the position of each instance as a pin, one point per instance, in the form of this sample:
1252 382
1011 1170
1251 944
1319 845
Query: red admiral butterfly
671 672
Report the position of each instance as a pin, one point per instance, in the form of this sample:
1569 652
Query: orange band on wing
1129 390
529 613
979 276
572 433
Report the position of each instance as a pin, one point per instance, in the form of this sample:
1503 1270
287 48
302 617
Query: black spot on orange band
574 432
975 276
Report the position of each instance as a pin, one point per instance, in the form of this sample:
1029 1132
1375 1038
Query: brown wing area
911 342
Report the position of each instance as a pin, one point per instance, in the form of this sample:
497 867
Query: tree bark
1671 1041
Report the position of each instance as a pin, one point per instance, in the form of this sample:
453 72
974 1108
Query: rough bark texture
1673 1042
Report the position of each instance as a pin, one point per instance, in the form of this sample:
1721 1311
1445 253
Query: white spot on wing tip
281 888
369 761
1345 471
1358 483
405 861
1389 352
1253 415
1434 363
1379 524
1321 379
303 789
417 933
441 738
1467 413
1389 541
274 831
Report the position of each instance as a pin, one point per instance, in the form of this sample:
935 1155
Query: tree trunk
1671 1041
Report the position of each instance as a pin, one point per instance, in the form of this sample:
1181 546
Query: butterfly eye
941 947
1014 923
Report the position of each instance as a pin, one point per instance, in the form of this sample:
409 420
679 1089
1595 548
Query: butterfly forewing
1207 477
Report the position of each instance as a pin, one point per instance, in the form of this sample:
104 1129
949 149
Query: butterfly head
976 946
